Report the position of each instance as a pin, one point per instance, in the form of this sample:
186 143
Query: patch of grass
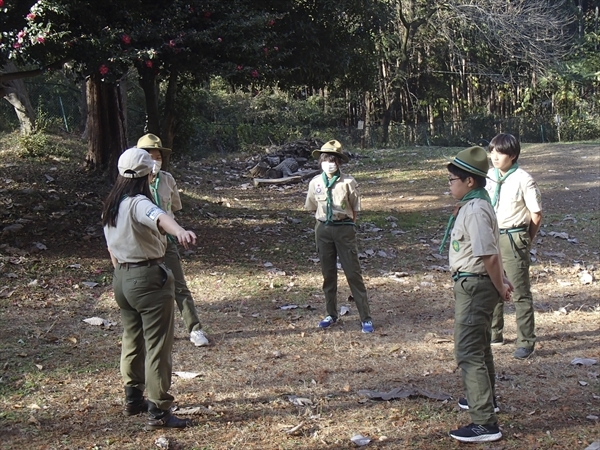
40 145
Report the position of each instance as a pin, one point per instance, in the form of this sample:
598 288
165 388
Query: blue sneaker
367 327
327 322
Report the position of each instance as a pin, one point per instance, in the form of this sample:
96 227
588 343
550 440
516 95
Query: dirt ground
270 378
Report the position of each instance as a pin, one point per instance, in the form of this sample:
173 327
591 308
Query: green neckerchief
475 193
154 188
500 180
329 182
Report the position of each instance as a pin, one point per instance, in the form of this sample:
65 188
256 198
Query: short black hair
330 157
463 175
506 144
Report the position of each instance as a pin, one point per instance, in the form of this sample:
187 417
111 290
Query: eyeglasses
450 180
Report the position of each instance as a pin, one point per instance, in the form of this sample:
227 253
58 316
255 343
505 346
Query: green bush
40 145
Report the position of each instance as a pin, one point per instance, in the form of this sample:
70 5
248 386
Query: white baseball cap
135 163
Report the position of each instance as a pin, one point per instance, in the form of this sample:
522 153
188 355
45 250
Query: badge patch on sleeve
154 212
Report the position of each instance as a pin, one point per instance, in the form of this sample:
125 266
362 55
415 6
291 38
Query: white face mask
156 167
329 167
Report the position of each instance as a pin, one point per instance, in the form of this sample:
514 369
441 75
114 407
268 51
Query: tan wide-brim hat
333 147
135 163
473 160
151 142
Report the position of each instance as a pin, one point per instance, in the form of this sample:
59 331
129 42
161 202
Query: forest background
221 77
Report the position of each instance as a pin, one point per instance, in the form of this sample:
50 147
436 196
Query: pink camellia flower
171 43
103 69
254 73
219 39
21 34
16 45
30 16
240 67
126 39
1 3
149 64
40 39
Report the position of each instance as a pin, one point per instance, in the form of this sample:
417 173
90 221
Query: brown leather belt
147 263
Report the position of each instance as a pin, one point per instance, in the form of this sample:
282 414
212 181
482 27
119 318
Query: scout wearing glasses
479 283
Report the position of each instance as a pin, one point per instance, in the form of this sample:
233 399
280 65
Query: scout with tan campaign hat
334 147
473 160
135 163
151 141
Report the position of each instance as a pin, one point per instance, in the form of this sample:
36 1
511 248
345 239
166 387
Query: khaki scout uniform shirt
136 237
475 234
519 197
168 195
344 194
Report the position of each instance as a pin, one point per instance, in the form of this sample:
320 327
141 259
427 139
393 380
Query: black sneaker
463 404
477 433
167 421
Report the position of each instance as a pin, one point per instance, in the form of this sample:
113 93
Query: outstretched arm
184 237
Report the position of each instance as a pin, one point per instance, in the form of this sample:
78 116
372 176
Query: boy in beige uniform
476 267
165 193
517 201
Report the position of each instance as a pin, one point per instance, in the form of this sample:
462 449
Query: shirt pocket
165 203
321 197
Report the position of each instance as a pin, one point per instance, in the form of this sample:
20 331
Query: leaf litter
239 372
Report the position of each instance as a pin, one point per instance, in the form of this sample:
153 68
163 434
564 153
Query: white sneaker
198 338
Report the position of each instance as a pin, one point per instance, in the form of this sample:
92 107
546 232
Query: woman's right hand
185 238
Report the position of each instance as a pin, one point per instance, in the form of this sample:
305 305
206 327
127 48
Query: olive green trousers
145 297
476 298
183 296
516 262
335 241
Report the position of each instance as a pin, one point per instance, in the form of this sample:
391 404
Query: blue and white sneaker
327 322
367 327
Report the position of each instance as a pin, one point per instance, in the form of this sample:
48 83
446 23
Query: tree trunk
105 125
15 93
150 88
169 122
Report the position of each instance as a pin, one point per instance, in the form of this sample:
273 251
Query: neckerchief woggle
475 193
499 180
329 182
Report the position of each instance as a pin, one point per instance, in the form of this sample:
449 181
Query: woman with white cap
135 229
